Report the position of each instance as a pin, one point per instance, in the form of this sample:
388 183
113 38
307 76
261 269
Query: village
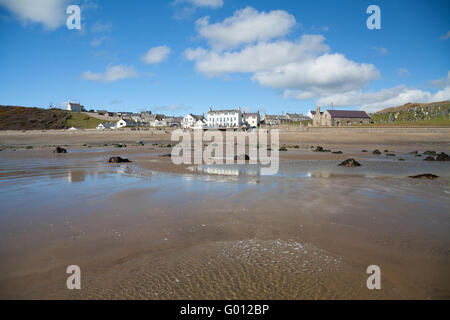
226 119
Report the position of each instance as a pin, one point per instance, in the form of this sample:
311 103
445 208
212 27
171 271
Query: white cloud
386 98
256 58
402 72
98 41
249 42
111 74
380 50
156 54
50 13
325 74
213 4
443 82
99 27
446 36
245 26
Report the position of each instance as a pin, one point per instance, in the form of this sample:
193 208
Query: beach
152 230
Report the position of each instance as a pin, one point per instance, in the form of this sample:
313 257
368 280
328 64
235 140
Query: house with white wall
190 120
251 119
231 118
125 123
75 107
103 126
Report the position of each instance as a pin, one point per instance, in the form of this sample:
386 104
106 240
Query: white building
200 124
311 114
224 118
75 107
190 120
103 126
125 123
251 119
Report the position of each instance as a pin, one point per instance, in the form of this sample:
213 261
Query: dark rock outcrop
430 153
118 160
167 155
376 151
429 158
425 176
59 150
350 163
442 157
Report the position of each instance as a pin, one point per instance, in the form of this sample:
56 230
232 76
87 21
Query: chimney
318 110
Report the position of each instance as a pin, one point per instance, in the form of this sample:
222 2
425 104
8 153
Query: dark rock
282 149
337 152
364 151
242 157
318 149
350 163
442 157
425 176
414 152
59 150
390 155
376 151
117 160
429 158
167 155
430 153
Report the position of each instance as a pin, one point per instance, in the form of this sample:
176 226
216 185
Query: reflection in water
231 169
76 176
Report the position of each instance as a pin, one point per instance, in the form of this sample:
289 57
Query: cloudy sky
182 56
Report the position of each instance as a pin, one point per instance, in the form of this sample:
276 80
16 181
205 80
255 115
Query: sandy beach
152 230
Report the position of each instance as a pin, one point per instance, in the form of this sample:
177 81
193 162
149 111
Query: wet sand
152 230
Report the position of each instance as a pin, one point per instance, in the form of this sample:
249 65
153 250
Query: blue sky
182 56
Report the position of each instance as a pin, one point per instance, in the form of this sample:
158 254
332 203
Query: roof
272 117
298 115
250 114
314 113
74 104
127 121
176 119
348 114
108 125
222 111
196 117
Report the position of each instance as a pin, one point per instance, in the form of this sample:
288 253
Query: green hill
25 118
435 113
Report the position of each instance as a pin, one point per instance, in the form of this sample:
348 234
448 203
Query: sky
185 56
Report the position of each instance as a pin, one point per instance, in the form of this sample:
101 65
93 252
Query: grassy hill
435 113
82 120
24 118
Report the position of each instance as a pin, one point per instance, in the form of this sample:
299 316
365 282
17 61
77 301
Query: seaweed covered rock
350 163
118 160
59 150
429 158
428 176
442 157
